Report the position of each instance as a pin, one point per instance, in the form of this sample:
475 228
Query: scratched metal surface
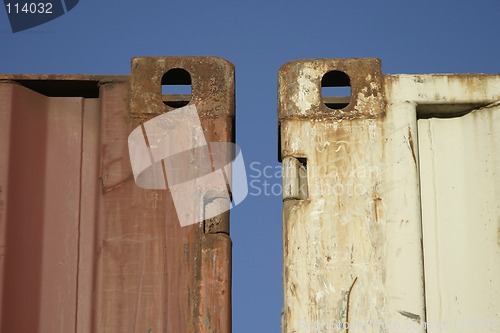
338 239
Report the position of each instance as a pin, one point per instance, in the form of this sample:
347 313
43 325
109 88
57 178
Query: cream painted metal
353 236
460 184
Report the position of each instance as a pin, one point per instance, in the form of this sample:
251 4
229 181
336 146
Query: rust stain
412 146
212 81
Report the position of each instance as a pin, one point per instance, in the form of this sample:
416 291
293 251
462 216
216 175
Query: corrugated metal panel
83 248
460 184
352 215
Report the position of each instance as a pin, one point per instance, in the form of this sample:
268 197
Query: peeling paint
307 95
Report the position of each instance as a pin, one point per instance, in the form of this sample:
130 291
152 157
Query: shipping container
391 199
83 248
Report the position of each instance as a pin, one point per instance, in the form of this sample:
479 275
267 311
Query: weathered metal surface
83 248
300 89
460 182
339 242
205 248
212 81
353 246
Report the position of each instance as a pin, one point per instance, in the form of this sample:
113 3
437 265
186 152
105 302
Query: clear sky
100 37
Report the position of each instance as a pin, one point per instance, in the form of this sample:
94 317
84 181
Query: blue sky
100 37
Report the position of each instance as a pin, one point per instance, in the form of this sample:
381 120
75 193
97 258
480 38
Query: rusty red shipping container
82 247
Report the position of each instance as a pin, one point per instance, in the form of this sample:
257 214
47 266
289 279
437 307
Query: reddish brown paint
82 248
